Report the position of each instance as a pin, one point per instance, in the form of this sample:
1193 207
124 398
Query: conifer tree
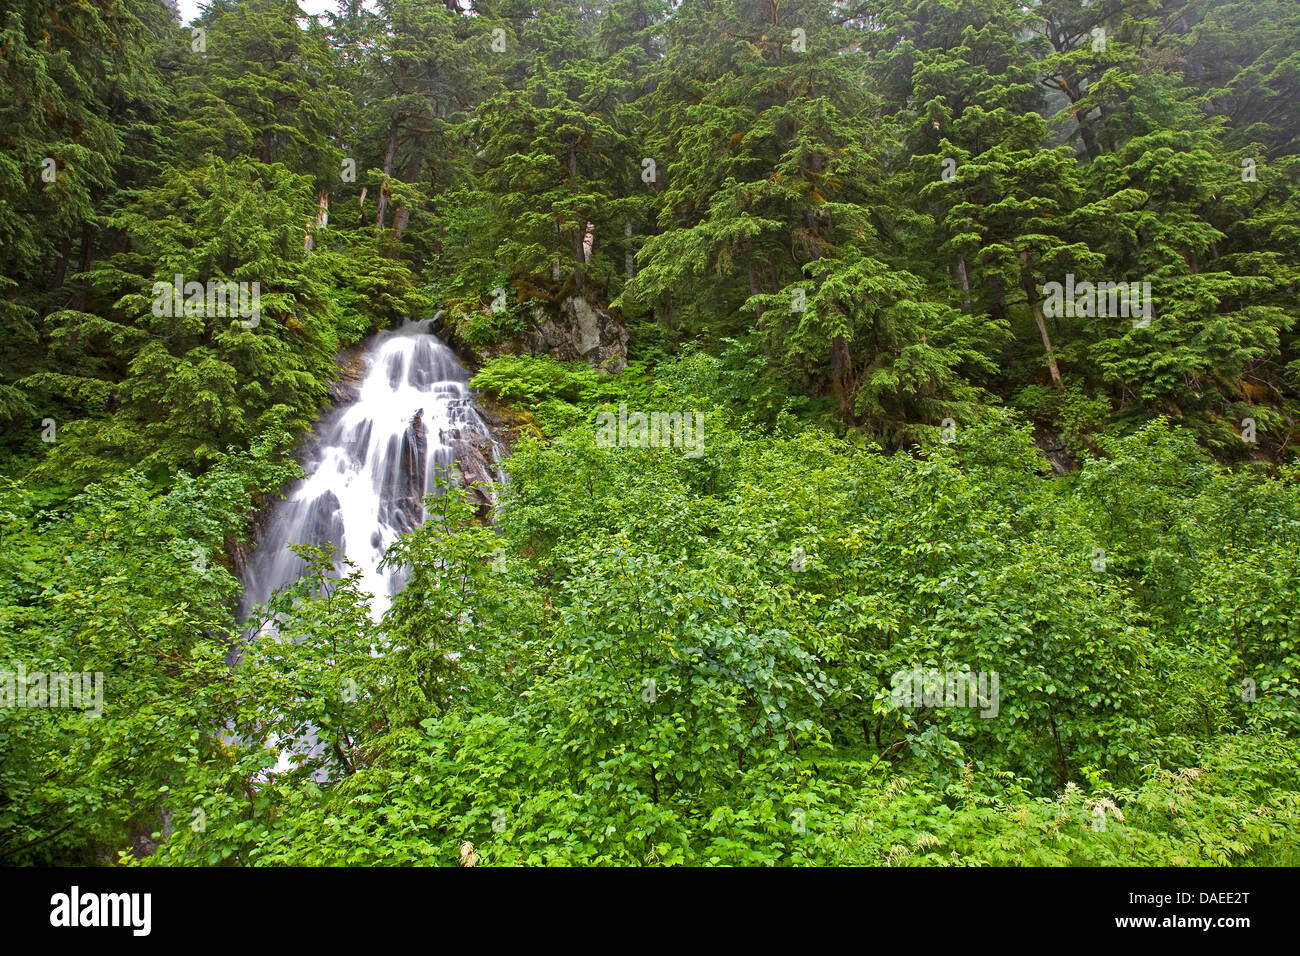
189 376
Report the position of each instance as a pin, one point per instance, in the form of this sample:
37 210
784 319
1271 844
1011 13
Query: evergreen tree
198 374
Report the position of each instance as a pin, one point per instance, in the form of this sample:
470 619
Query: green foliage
829 229
121 581
557 394
631 667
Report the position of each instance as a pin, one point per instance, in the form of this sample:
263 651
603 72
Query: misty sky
190 8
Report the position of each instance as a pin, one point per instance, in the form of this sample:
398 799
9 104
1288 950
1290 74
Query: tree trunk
1036 305
389 152
958 270
1063 770
413 171
322 217
842 377
629 260
576 237
87 252
61 270
1070 86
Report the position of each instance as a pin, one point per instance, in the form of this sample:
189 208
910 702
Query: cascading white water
372 464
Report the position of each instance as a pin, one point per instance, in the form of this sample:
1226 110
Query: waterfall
373 461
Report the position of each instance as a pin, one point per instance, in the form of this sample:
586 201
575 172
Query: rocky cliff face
476 468
1054 449
574 330
579 331
352 369
402 492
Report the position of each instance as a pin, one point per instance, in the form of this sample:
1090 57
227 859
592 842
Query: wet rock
476 471
580 331
402 493
574 330
1053 447
324 523
352 369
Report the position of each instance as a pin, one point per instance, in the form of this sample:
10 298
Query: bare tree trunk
1036 305
962 280
629 260
842 377
579 268
1070 87
1047 344
1090 143
322 217
388 169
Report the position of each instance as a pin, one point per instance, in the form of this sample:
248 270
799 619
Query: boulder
475 470
579 331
